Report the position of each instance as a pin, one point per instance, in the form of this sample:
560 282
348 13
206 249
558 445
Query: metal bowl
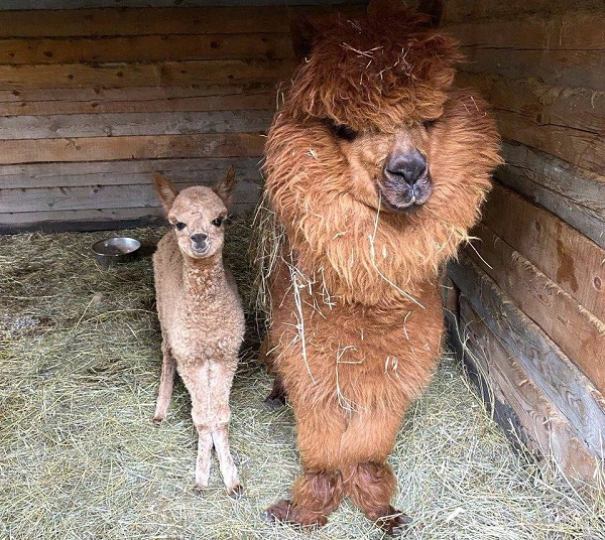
115 250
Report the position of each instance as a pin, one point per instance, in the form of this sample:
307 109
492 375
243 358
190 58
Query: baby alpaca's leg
166 383
228 469
204 445
222 377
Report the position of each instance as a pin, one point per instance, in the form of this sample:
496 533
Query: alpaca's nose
199 238
408 167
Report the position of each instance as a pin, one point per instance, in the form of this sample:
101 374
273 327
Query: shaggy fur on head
356 313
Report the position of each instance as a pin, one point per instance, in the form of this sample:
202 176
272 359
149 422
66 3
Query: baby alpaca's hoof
157 420
396 523
274 402
236 491
199 489
285 512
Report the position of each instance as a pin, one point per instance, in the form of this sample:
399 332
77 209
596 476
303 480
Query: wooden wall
529 295
93 100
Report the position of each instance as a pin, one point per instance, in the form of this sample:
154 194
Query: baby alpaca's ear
165 190
224 189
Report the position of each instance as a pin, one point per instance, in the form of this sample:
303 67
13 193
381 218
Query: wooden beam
104 197
542 104
563 383
117 125
545 429
161 20
106 173
551 308
572 68
570 29
566 256
145 48
135 147
160 74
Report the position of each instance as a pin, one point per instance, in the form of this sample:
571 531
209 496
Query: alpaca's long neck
203 278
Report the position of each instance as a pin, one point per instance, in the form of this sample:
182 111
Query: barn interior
96 95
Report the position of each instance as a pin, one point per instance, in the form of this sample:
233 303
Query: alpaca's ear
165 190
303 33
224 189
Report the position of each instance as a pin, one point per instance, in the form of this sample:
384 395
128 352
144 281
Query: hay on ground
80 458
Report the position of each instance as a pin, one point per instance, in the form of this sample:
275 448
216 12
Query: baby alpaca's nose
199 238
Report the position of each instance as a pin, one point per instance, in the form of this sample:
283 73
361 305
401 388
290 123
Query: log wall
94 100
528 305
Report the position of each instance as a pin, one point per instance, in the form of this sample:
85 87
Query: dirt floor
80 458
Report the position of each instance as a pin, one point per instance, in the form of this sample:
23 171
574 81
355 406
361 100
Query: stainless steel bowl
115 250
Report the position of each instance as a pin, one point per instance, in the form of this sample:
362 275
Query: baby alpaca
201 317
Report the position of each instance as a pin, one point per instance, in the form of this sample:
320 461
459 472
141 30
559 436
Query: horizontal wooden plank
104 173
563 382
137 147
551 308
141 21
105 197
575 195
580 147
463 10
136 93
160 74
147 48
545 429
567 257
567 68
87 4
582 186
579 108
99 125
568 30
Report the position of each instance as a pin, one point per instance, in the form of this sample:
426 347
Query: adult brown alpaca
376 168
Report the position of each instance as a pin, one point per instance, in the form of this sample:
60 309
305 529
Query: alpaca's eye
345 132
179 225
428 124
218 221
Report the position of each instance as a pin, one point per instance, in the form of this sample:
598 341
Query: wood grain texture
579 108
105 173
104 197
117 125
562 382
566 256
136 147
160 20
146 48
547 431
564 31
551 308
159 74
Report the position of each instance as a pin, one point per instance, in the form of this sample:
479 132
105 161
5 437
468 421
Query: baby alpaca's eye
180 225
218 221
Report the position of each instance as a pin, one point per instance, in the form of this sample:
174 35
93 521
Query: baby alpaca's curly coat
356 312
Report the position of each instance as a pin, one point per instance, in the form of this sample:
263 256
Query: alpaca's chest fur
199 308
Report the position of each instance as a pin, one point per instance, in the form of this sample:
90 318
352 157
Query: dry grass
79 457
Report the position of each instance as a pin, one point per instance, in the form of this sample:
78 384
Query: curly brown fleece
357 319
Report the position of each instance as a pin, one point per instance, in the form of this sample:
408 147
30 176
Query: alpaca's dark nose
199 238
408 167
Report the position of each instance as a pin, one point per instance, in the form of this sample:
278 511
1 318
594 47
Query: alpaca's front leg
166 383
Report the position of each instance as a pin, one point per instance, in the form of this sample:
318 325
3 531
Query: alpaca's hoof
157 420
285 512
396 523
275 402
236 491
199 489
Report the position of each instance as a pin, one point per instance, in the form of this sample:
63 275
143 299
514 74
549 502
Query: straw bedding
80 458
